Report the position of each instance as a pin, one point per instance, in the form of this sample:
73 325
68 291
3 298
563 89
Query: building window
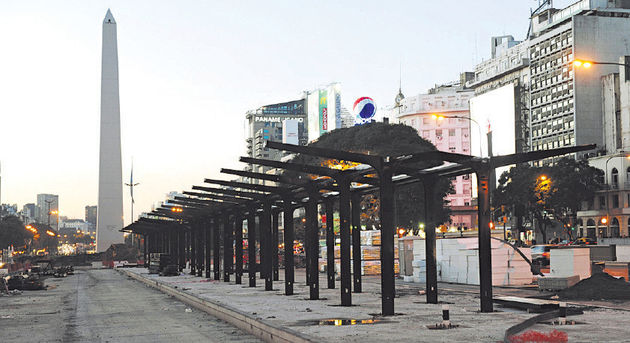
438 133
602 201
451 132
615 201
614 177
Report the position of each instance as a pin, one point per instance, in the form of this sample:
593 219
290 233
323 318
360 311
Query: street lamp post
438 117
587 64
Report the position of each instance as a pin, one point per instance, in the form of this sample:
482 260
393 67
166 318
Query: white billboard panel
493 111
290 132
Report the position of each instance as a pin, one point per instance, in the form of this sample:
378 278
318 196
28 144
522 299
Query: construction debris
600 286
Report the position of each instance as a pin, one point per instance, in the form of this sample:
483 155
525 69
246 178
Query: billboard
290 132
324 110
493 111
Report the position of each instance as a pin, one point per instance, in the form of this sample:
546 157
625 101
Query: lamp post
439 117
587 64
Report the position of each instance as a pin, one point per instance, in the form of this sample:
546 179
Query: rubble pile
121 252
600 286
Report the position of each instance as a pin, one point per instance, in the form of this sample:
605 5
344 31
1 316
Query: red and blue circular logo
364 109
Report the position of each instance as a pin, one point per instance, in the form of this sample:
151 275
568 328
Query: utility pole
131 184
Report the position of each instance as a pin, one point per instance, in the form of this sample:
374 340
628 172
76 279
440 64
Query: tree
385 140
553 193
13 232
573 183
515 194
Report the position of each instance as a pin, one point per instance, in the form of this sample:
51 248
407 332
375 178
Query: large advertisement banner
493 112
323 111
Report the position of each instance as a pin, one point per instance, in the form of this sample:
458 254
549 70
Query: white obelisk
110 201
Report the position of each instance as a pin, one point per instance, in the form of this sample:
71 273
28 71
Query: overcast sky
189 70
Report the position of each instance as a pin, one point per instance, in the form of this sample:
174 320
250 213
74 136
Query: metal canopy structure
191 226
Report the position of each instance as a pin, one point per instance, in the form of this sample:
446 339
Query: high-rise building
555 105
566 103
30 213
317 112
90 214
442 118
265 124
613 201
110 202
48 205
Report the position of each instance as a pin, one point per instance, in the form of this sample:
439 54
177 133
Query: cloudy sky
189 70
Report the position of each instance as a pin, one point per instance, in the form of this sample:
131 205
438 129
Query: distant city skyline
190 71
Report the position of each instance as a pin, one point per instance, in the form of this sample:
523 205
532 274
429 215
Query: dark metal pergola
191 226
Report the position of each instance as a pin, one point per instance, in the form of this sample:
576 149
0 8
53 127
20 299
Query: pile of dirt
121 252
600 286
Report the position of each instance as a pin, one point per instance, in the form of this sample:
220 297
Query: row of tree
538 196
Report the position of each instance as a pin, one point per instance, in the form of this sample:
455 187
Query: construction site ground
602 321
101 305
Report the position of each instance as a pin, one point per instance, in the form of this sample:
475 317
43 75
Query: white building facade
441 117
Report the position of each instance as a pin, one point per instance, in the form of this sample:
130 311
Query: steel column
216 240
251 246
208 251
238 237
356 242
228 255
312 231
181 249
330 243
200 249
429 229
289 236
274 245
344 234
485 249
265 246
193 251
388 286
145 251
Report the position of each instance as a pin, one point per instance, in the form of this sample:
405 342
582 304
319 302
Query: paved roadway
105 306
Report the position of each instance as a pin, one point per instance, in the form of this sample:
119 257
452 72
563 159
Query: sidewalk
409 325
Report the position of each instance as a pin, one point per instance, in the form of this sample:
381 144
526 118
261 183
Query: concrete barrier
266 331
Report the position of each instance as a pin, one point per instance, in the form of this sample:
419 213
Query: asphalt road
102 305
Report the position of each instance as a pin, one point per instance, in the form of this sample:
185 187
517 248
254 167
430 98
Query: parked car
540 254
584 241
